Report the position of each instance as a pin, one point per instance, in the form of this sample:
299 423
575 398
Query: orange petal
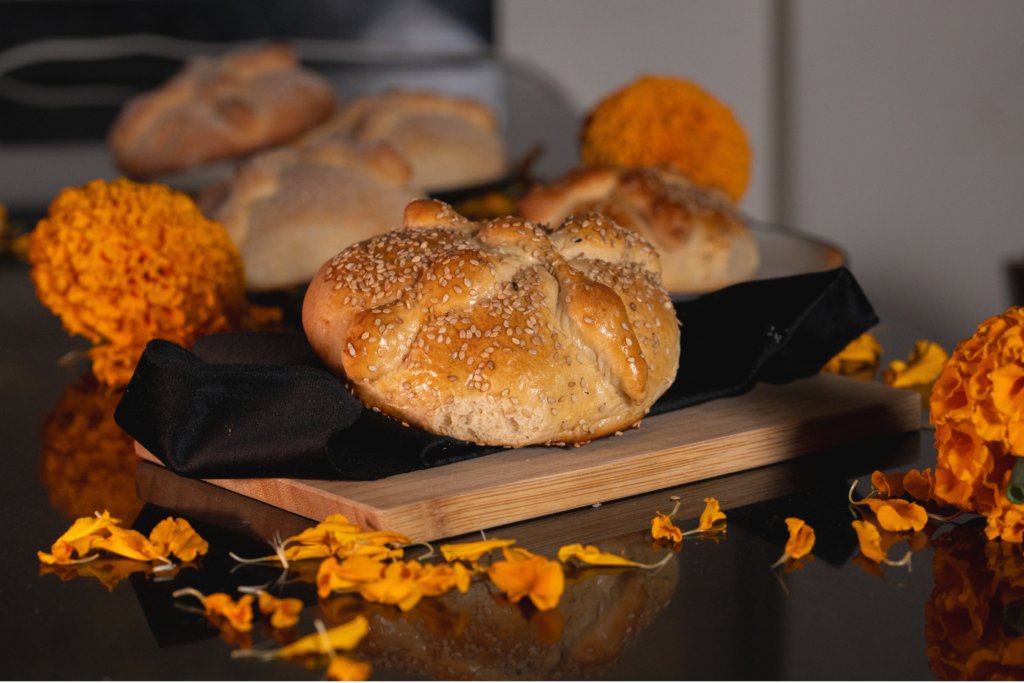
896 514
801 538
662 527
889 484
919 484
711 514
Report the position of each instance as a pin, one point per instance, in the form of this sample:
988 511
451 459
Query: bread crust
289 209
702 240
449 142
219 108
498 333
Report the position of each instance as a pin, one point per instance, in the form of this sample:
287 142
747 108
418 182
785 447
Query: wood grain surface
770 424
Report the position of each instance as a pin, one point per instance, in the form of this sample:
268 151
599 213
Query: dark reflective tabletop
714 611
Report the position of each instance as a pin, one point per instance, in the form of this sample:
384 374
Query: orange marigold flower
122 263
859 359
87 462
923 366
977 407
524 574
660 120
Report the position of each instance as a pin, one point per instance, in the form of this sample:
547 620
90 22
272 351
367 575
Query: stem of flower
850 495
904 561
429 547
323 636
1015 489
656 565
269 558
940 518
782 559
189 591
675 510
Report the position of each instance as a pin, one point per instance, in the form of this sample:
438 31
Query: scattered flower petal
397 586
711 514
663 528
871 544
923 366
801 538
75 543
471 552
347 574
859 359
237 614
345 668
524 574
128 543
177 537
889 484
919 484
284 612
896 514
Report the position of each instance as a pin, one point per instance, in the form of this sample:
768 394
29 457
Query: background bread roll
449 142
288 210
498 332
701 238
221 108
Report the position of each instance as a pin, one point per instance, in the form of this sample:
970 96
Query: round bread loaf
220 108
498 333
702 240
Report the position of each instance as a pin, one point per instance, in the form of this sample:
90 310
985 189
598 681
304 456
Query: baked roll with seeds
702 240
499 333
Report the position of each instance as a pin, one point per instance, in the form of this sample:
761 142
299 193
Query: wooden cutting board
766 426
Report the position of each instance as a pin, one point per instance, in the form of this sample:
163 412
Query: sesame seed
600 408
372 368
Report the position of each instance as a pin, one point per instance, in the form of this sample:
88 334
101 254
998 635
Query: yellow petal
284 612
870 540
238 614
128 543
592 555
662 527
76 542
919 484
711 514
349 573
534 576
923 366
397 587
859 359
896 514
889 484
517 554
344 637
344 668
801 538
186 543
471 552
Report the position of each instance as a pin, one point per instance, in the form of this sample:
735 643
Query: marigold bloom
923 366
977 407
660 120
284 612
87 462
859 359
524 574
662 527
712 513
801 538
471 552
122 263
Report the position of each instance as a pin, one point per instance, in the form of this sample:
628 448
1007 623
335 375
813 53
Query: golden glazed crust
449 142
216 109
498 333
701 239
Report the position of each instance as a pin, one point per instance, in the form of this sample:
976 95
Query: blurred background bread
701 238
288 210
450 142
498 333
220 108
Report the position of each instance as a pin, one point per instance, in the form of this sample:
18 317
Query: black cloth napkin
250 404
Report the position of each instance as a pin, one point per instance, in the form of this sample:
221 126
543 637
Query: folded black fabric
250 404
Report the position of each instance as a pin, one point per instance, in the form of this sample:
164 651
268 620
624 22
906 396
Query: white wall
904 126
594 47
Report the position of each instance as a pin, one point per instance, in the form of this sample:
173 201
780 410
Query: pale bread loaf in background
219 108
449 142
288 210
